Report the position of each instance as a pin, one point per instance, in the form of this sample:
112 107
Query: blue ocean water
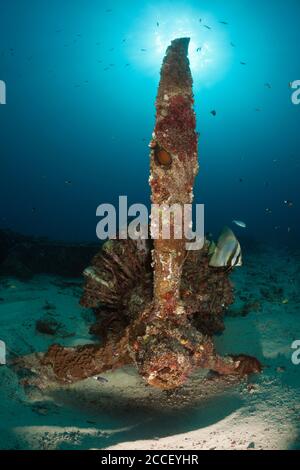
81 83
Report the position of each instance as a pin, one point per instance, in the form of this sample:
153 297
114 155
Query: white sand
124 413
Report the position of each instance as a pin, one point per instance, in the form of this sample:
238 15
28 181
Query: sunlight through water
209 51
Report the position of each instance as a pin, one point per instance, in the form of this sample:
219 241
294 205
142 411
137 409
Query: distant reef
24 256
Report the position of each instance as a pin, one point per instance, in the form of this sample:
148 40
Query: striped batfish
227 252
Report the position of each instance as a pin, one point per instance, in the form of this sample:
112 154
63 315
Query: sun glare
209 50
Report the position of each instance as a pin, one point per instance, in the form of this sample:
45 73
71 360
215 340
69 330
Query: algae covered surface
120 411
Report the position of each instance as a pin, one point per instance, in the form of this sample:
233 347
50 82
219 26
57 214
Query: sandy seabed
262 412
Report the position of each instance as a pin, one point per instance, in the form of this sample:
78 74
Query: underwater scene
149 225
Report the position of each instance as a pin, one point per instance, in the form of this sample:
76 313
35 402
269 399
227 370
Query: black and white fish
103 380
227 252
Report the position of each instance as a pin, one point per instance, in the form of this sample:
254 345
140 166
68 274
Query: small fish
289 203
268 210
109 10
200 20
157 24
285 301
241 180
240 223
227 252
33 210
289 229
143 50
2 353
243 63
268 85
101 379
232 44
207 27
213 112
199 49
68 182
223 22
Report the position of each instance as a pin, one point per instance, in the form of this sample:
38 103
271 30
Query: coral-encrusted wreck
157 305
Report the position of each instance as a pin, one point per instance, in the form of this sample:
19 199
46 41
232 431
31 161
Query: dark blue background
68 117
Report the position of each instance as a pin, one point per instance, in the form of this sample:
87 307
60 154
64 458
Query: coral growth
158 305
